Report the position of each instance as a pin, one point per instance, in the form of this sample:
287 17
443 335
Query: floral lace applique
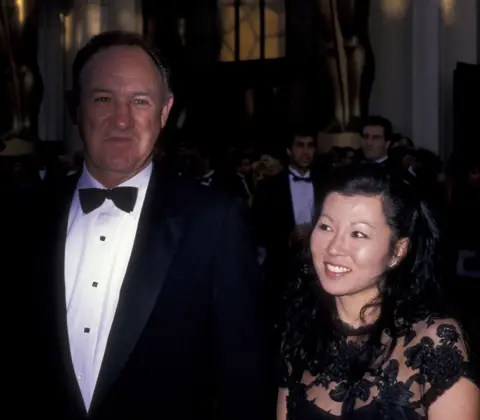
429 358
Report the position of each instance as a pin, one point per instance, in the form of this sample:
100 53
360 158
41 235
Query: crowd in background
249 171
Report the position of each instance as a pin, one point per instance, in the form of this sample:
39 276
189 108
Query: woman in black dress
367 335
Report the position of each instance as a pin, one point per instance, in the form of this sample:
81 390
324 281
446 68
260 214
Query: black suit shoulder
276 180
191 196
202 205
28 209
273 184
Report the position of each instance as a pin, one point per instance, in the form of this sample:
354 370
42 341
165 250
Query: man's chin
118 167
123 169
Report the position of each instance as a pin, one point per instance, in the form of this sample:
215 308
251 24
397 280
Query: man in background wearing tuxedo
376 135
146 293
282 212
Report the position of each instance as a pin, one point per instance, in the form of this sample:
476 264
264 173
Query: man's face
374 145
474 177
302 152
245 166
123 108
349 157
191 162
272 165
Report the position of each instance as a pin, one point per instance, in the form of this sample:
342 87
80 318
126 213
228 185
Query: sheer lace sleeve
284 374
439 356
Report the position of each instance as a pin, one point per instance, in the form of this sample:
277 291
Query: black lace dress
426 360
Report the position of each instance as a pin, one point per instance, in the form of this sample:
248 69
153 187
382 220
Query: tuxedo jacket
273 214
274 221
187 340
233 183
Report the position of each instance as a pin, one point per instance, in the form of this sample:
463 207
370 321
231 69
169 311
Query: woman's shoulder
437 349
437 331
436 326
437 354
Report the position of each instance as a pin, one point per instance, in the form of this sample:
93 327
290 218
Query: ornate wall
63 29
417 45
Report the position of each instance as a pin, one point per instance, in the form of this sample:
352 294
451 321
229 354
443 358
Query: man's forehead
378 129
121 62
304 139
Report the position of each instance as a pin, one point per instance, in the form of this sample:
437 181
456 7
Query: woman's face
351 244
259 171
273 166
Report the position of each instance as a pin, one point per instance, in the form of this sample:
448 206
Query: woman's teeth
337 268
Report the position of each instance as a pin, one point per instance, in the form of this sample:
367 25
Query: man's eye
141 102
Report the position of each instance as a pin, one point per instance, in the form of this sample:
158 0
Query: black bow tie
297 178
123 197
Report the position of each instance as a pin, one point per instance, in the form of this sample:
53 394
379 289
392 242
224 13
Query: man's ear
400 251
166 110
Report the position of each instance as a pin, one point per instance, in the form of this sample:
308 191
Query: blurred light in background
20 5
397 9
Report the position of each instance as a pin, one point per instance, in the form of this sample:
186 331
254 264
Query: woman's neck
349 309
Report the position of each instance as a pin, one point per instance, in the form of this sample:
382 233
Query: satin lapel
158 234
57 217
287 197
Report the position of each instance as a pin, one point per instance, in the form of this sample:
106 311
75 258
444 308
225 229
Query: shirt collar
209 174
296 173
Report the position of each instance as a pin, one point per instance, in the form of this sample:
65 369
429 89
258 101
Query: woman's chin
335 288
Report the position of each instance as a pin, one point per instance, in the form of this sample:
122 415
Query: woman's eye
324 227
359 235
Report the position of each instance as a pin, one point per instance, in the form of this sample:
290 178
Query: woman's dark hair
409 291
430 164
396 156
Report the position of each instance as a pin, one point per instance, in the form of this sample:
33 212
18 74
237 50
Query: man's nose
123 116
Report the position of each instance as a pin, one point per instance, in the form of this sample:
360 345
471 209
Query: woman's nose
336 245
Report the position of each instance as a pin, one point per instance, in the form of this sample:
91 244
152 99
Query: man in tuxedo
376 137
146 293
238 181
282 212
